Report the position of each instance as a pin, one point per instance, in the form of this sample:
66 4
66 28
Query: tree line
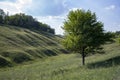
24 21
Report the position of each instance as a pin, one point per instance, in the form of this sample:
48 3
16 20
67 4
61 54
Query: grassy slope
18 45
68 67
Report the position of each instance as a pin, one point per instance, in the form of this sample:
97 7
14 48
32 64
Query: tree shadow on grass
105 64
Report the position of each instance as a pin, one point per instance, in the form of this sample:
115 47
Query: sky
54 12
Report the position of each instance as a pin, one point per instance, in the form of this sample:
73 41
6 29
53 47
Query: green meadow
29 55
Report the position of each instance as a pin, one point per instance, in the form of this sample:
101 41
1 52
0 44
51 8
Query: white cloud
15 7
112 27
73 9
54 21
111 7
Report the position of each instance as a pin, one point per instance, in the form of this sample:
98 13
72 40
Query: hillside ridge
18 45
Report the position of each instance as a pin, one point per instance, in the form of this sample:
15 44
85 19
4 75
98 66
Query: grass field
68 67
19 45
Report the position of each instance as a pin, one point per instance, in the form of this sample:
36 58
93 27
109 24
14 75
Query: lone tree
83 33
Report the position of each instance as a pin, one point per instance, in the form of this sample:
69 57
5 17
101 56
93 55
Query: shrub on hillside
49 52
4 62
17 56
21 57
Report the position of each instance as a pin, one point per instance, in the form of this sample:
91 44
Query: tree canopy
83 33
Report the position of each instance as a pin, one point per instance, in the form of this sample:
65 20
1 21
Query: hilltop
18 45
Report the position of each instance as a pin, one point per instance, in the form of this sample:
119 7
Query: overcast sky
54 12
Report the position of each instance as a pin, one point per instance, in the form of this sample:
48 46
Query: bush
17 56
21 57
49 52
4 61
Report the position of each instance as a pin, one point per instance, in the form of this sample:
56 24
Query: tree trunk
83 56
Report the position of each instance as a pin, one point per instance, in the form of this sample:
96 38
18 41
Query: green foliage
27 21
83 32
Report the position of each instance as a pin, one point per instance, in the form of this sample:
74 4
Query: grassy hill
68 67
18 45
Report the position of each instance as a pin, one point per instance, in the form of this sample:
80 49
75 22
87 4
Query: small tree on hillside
83 33
2 15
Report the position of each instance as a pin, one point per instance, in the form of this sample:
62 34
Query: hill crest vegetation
24 21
